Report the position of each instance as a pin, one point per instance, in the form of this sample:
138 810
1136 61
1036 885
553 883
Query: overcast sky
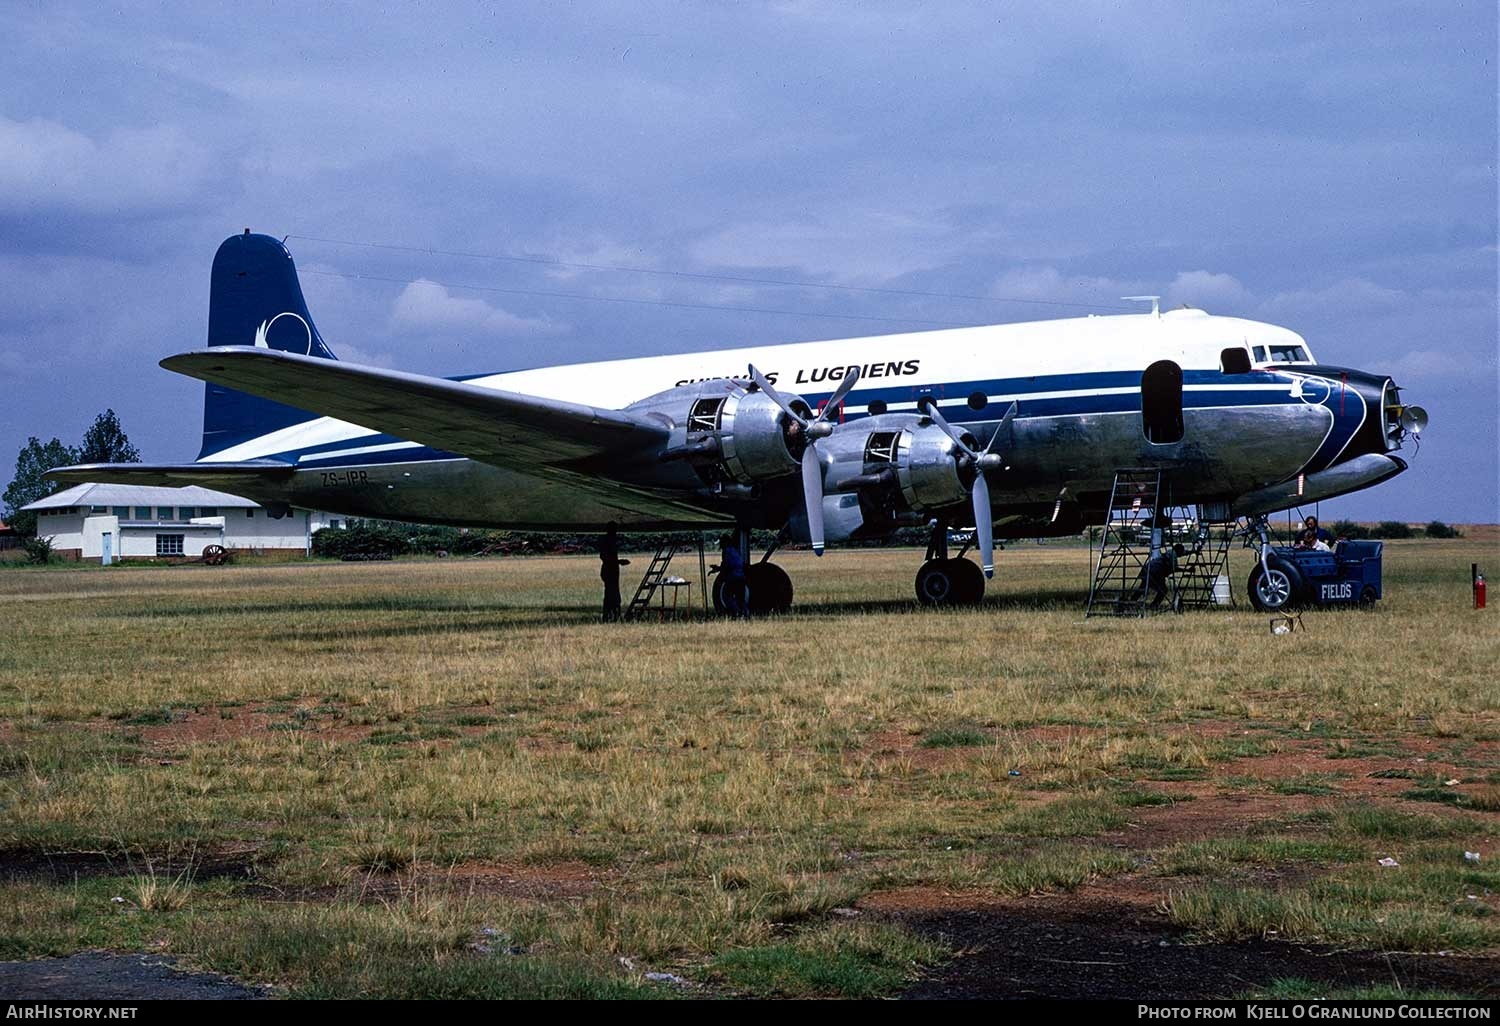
1327 167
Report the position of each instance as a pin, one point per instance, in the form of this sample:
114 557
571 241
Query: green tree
105 442
34 460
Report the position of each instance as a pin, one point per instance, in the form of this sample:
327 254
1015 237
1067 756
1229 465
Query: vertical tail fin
254 299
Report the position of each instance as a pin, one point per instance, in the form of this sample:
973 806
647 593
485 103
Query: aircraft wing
505 429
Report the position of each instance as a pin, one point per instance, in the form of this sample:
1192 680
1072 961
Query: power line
638 302
703 276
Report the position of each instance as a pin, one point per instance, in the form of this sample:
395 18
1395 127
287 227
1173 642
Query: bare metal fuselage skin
1251 440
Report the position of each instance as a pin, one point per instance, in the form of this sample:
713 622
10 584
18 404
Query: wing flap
505 429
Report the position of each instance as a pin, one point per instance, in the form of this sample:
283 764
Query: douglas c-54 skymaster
1019 427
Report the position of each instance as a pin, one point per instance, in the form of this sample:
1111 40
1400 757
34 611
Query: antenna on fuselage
1155 302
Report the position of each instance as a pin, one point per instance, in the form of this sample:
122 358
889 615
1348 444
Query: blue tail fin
254 299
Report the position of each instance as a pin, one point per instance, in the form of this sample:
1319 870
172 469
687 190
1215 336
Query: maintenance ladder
1119 575
651 581
1206 559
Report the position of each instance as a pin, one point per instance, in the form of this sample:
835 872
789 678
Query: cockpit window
1260 354
1289 354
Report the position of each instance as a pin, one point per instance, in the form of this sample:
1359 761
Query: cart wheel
213 555
1367 596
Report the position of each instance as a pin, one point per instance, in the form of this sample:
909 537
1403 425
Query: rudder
254 299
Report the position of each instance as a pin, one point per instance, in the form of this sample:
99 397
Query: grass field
446 779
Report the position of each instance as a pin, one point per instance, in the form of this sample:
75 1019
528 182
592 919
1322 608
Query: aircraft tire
968 582
770 589
1280 589
944 582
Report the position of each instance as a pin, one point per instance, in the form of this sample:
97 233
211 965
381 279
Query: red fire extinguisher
1478 585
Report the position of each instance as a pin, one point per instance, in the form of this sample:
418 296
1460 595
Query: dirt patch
1110 949
101 976
549 880
1206 815
64 866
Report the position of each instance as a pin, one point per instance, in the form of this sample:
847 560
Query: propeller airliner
1014 430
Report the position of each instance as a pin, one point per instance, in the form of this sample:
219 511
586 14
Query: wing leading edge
504 429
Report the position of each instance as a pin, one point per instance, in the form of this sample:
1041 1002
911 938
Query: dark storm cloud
1328 168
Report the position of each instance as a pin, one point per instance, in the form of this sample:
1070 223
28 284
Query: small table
676 587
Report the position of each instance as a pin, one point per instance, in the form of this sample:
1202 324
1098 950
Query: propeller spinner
816 428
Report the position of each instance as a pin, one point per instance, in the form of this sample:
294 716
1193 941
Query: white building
113 521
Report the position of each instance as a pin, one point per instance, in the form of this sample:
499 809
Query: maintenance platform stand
1140 523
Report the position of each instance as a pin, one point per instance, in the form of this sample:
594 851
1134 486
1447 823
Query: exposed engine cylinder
906 459
755 439
928 469
730 434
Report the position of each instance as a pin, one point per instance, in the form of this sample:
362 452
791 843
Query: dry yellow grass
704 781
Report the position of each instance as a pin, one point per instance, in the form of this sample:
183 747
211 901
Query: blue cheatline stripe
1082 401
1074 406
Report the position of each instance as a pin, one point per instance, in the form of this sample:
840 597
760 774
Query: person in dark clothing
732 574
1156 571
609 572
1319 533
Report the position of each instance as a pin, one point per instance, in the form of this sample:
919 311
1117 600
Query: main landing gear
769 587
942 581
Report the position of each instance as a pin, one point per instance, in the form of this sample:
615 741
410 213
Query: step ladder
1118 587
1198 570
651 581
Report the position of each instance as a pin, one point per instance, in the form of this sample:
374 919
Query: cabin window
876 407
1161 402
1234 361
978 401
169 544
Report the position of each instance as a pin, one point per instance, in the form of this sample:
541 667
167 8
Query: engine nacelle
906 459
729 433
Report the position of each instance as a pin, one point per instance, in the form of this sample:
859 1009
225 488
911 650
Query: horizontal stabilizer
505 429
260 480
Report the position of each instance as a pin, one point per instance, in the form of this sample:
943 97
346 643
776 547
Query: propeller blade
931 411
990 459
984 525
812 495
839 393
775 396
1002 428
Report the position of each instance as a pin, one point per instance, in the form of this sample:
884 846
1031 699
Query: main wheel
770 589
1275 587
949 582
968 582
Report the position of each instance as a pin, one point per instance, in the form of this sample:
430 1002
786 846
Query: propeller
984 526
814 428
